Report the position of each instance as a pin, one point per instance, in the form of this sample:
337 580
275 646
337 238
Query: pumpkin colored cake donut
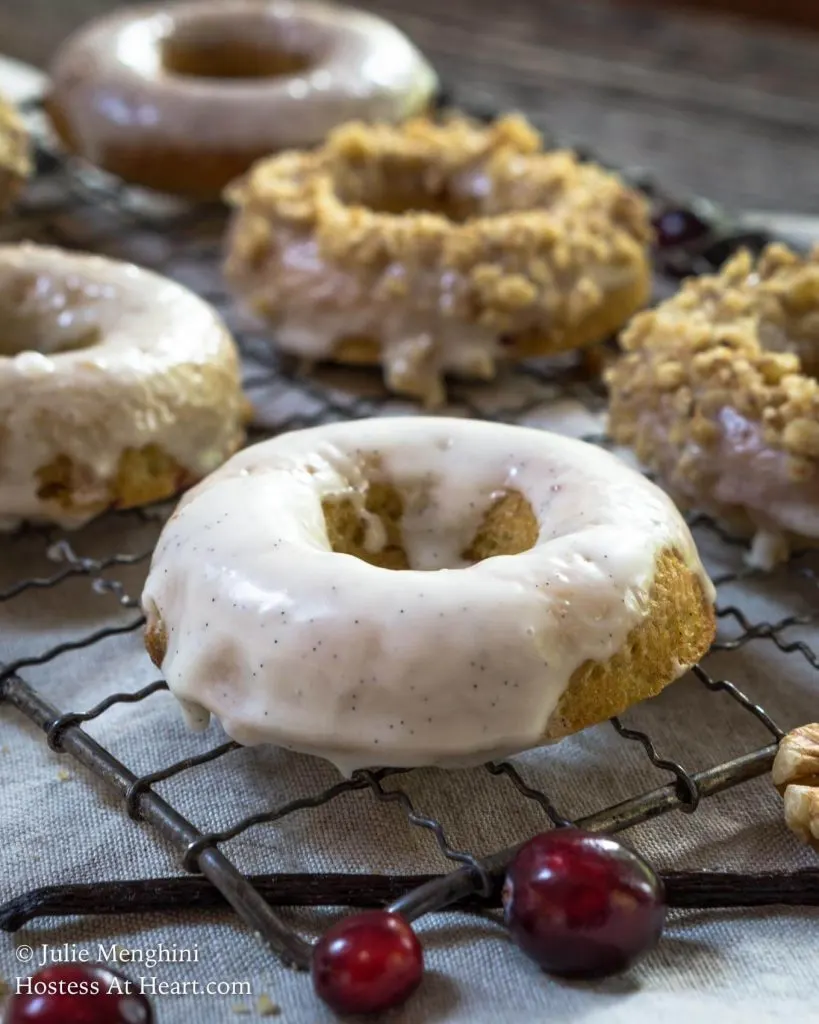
117 387
437 248
15 154
415 591
183 97
713 395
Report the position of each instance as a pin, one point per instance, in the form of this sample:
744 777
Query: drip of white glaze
290 643
314 306
375 533
126 359
744 476
750 473
741 480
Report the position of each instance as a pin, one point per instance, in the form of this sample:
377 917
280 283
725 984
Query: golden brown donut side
143 476
15 155
359 350
165 167
678 630
437 247
711 395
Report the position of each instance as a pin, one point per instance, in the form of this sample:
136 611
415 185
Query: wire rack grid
79 209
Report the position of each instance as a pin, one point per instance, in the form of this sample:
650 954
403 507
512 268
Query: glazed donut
15 155
711 395
428 591
117 387
434 248
184 97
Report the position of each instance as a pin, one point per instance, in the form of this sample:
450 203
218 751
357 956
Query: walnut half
795 774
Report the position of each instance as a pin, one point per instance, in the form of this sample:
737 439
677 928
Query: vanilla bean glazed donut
437 248
117 387
419 591
184 97
716 393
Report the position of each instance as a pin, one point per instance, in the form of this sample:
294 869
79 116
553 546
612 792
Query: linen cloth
61 825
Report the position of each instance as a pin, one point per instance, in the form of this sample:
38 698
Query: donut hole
509 527
39 313
400 198
208 57
370 531
374 530
396 184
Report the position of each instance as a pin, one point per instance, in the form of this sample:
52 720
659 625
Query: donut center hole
41 314
390 529
398 186
210 57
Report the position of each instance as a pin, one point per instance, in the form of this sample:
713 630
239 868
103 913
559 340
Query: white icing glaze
768 549
744 481
750 473
314 305
415 349
97 357
111 85
290 643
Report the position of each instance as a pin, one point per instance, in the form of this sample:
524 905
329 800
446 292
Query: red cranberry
367 963
678 227
77 994
582 905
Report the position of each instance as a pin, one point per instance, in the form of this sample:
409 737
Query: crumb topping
15 158
744 340
484 226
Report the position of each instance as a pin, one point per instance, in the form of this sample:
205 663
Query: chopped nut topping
15 158
450 224
797 759
795 774
265 1007
716 383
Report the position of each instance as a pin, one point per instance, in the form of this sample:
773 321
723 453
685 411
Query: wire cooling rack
77 208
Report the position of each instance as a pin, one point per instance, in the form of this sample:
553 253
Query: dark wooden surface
802 13
715 105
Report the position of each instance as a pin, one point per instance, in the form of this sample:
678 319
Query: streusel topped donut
712 395
437 247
